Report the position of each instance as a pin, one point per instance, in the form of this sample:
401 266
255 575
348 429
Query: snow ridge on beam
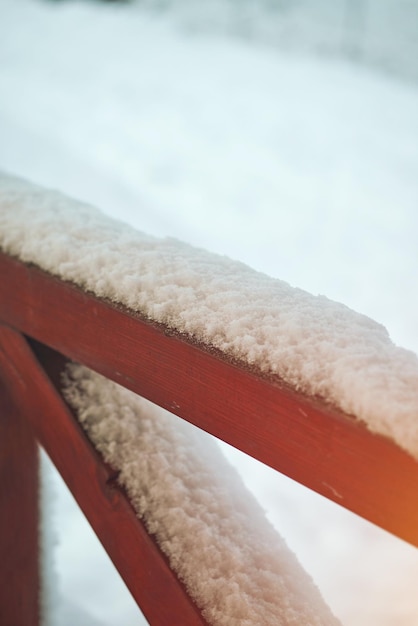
300 436
140 562
315 345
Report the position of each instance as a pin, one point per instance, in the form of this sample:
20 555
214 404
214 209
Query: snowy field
304 168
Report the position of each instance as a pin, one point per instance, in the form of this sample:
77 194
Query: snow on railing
317 346
266 367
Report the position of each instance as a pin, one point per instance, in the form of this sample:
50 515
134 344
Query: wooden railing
45 321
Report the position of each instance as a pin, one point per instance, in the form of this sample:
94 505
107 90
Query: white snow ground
303 168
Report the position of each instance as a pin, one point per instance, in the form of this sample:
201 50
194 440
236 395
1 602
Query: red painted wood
304 438
145 570
19 571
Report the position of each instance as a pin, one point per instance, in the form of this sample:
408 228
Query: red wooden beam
144 568
302 437
19 566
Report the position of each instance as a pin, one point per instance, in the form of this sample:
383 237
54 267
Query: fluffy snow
233 563
318 346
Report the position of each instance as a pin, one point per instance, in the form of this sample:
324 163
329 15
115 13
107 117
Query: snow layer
234 564
316 345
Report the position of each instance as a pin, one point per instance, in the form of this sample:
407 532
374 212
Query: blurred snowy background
280 132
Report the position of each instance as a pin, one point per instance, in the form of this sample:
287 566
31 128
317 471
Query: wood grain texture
145 570
19 564
302 437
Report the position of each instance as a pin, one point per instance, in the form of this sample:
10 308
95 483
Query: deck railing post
145 569
19 542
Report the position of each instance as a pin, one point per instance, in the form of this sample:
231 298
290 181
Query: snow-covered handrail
267 368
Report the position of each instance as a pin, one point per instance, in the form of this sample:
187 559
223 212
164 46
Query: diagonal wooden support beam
302 437
145 570
19 541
